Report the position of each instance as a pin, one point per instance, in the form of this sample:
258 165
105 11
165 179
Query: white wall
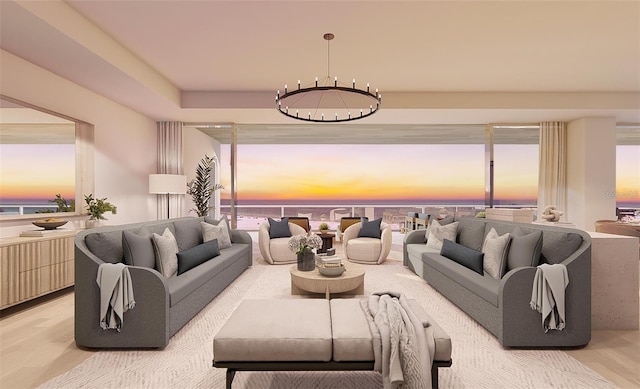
195 146
591 171
125 141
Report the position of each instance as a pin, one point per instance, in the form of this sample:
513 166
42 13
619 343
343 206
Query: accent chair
276 250
362 247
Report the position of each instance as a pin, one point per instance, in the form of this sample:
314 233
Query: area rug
478 359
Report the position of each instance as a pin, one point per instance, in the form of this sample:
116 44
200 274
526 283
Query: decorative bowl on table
331 271
50 223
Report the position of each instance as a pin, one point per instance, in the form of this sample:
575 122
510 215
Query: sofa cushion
469 258
138 249
279 229
524 249
106 245
485 286
495 249
182 286
276 330
190 258
219 233
364 249
188 233
438 233
166 250
352 340
370 229
471 232
558 246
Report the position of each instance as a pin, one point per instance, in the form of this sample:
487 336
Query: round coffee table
310 282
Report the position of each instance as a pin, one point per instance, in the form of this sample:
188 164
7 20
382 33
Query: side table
327 242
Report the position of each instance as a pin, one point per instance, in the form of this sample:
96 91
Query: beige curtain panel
552 179
170 162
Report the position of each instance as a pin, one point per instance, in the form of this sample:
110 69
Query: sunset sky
331 172
37 171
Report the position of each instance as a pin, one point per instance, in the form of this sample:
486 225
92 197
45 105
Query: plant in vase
201 188
303 245
97 209
324 228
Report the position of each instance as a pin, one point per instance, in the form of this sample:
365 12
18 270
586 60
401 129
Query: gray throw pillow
370 229
138 249
525 249
195 256
495 249
106 245
188 233
211 232
166 249
558 246
467 257
279 229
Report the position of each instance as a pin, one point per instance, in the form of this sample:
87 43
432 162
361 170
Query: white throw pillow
219 232
495 249
438 233
166 249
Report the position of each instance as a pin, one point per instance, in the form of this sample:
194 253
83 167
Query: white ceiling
436 62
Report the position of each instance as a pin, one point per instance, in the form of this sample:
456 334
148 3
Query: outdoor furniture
302 221
347 221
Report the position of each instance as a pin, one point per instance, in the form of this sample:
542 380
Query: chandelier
326 100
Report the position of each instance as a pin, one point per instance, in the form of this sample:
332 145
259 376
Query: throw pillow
138 249
190 258
279 229
106 245
166 249
188 233
438 233
370 229
524 249
495 249
443 222
211 232
467 257
219 222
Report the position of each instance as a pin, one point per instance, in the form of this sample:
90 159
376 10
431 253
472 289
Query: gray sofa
502 305
163 305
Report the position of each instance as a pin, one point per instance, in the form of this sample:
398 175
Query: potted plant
201 187
324 228
97 209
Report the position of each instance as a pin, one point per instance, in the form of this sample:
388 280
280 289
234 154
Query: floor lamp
167 184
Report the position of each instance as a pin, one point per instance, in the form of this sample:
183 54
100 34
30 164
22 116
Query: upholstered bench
306 334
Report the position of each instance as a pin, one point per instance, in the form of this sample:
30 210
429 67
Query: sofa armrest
146 325
412 237
522 326
240 236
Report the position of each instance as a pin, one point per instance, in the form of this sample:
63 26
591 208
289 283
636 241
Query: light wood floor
36 344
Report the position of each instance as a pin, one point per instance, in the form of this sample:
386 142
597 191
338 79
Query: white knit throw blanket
116 294
403 345
547 296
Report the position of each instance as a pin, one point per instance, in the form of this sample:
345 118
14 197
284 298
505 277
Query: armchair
366 250
276 251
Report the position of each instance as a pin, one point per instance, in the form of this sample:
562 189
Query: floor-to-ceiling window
628 167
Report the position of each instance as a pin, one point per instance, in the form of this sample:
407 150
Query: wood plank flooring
36 344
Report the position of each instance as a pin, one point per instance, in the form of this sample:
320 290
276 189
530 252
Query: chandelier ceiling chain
342 99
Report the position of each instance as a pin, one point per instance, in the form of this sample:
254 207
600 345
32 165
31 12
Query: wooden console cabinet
32 267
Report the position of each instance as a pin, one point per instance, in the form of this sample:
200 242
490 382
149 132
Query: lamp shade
167 184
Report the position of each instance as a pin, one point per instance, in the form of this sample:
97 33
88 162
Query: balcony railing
250 217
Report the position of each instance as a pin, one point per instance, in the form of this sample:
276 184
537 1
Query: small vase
306 260
93 223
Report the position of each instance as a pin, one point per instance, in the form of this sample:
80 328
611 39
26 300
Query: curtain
170 162
552 179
